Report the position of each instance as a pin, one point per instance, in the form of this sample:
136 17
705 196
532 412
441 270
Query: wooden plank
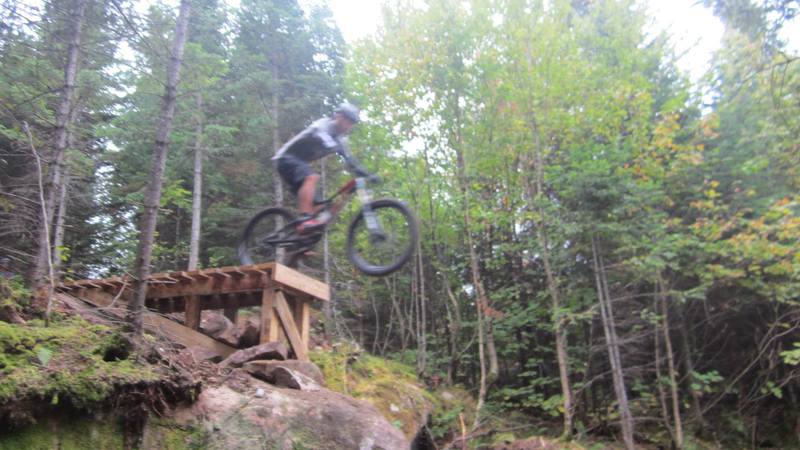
269 321
193 312
184 277
287 320
219 273
184 335
155 323
104 299
301 282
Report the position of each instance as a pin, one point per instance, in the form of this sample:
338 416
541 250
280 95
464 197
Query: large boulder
264 368
248 331
269 350
293 374
248 413
219 327
389 386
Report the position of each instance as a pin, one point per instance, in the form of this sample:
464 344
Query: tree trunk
697 410
327 308
422 341
147 224
482 302
63 114
197 187
61 217
276 139
552 285
455 329
673 376
662 396
607 317
377 323
482 360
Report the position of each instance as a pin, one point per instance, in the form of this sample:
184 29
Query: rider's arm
340 146
351 162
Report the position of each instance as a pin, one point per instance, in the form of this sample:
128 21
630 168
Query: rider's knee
311 179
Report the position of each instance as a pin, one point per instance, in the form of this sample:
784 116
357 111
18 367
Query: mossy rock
165 434
69 361
66 433
390 386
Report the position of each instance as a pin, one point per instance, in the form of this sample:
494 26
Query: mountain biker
325 136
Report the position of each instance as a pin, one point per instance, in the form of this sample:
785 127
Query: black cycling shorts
293 171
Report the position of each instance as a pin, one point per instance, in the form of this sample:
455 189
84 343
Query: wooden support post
193 312
302 316
232 311
269 320
287 320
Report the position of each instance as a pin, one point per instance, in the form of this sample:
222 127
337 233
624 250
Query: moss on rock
390 386
165 434
66 433
69 361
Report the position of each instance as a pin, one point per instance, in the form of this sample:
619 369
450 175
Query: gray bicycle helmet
349 110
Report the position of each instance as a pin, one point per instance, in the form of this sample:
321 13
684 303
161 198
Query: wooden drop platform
283 294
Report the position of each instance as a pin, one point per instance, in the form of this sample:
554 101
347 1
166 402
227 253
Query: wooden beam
155 323
219 273
184 335
223 285
103 299
184 277
287 320
301 282
193 312
269 321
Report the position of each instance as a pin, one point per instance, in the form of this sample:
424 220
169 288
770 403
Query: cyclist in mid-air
322 138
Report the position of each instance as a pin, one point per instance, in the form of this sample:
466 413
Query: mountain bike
380 238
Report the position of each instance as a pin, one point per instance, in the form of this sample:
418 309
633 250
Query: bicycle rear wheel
382 252
264 235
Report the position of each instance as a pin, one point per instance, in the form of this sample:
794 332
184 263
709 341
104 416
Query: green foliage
705 382
792 357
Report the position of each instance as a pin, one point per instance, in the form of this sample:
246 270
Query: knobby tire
250 250
407 234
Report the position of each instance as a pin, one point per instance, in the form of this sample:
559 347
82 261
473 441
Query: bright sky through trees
693 28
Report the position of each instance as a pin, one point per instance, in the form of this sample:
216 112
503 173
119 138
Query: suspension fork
370 218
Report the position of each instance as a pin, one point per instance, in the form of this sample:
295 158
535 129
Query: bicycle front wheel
383 247
264 235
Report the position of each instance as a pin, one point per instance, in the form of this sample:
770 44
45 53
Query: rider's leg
305 195
305 204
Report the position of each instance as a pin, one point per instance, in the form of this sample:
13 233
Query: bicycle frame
334 204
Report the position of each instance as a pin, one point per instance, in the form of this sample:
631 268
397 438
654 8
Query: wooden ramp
283 294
